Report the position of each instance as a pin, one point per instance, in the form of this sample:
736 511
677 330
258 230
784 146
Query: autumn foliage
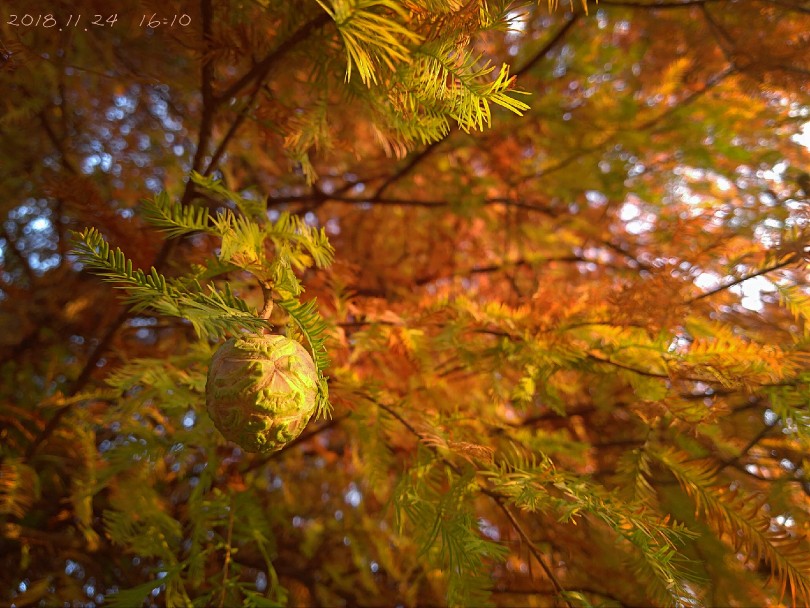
550 264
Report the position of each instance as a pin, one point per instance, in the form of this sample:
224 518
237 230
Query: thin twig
711 82
322 197
58 143
260 71
78 384
787 262
267 307
647 373
535 550
407 167
790 6
209 102
549 46
17 253
227 564
218 153
754 440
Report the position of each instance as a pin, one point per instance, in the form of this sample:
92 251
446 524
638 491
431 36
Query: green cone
261 391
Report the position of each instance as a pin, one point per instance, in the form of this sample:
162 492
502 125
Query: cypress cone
261 391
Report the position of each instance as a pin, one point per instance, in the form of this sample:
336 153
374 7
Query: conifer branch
211 314
538 555
740 517
691 97
175 219
655 540
748 446
260 71
763 271
498 498
366 53
419 157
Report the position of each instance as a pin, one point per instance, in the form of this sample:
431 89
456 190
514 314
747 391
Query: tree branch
787 262
260 71
644 372
407 167
498 498
416 159
321 198
18 254
549 46
538 555
78 384
57 143
748 446
227 564
209 102
220 151
712 82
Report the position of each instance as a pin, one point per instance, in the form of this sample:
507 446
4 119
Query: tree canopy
550 264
